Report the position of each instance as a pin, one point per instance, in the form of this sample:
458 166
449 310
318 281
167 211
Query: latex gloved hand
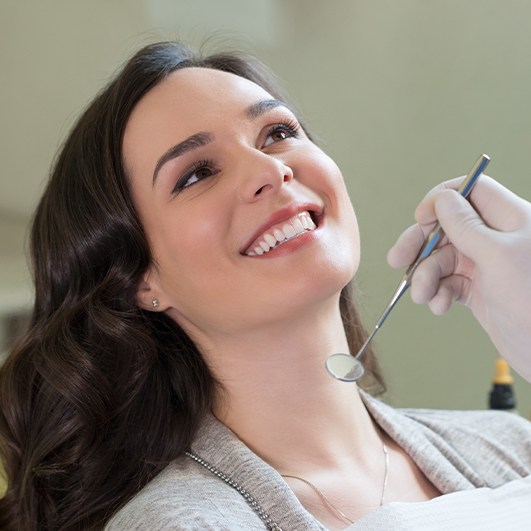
484 262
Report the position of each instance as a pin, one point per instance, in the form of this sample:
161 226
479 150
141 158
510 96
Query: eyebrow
255 110
259 108
192 142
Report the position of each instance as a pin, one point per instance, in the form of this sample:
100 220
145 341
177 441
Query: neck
279 399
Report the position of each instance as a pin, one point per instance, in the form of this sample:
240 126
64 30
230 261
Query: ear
149 295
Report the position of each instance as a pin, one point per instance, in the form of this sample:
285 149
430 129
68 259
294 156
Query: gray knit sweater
482 457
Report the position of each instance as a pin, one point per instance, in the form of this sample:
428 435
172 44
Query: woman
192 254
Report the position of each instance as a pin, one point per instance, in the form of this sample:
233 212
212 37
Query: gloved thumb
462 224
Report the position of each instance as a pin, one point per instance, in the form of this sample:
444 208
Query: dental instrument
348 368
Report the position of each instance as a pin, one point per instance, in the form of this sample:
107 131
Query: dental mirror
345 367
348 368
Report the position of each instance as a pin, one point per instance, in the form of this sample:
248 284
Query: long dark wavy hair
100 395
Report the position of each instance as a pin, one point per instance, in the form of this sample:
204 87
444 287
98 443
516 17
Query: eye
282 131
199 171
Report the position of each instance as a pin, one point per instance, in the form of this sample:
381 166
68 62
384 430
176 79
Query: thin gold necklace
330 504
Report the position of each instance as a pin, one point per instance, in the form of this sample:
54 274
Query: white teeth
288 230
300 223
270 240
279 235
308 223
297 225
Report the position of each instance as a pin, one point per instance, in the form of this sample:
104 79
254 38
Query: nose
261 175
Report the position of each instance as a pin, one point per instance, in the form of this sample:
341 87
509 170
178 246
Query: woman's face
248 220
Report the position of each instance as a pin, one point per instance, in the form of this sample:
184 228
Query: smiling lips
281 233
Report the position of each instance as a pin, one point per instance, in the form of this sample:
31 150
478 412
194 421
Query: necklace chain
270 523
330 504
257 508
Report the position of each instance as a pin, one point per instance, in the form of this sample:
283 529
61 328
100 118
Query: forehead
195 93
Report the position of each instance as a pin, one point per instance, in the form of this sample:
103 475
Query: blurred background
402 94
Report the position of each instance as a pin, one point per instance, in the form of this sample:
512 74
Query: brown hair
100 395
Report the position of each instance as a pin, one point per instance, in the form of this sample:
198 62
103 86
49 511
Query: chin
326 284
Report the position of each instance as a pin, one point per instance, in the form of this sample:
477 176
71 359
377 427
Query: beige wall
403 94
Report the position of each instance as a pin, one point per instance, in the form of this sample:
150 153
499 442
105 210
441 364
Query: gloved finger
463 226
406 248
425 211
443 263
453 288
497 206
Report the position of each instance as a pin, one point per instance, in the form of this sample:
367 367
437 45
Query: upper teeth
288 230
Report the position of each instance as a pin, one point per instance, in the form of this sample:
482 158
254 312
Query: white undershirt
505 508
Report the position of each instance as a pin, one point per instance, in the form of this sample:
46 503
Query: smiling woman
263 174
192 256
140 244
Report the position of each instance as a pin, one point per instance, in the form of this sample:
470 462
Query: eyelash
291 127
206 164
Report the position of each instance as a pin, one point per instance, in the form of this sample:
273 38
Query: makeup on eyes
289 127
202 138
200 166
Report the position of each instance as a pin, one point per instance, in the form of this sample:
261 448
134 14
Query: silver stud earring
155 303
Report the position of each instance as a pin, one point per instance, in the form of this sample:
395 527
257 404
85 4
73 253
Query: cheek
324 177
320 172
341 210
186 243
341 234
191 251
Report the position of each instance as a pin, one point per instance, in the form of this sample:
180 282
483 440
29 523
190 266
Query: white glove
484 262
